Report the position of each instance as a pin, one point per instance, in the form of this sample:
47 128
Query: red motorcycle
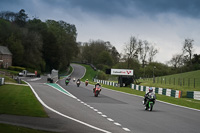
97 90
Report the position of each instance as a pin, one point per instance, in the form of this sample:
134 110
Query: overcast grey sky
164 23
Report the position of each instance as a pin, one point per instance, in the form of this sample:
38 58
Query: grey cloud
132 8
188 8
126 8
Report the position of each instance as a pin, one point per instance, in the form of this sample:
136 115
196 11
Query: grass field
192 103
189 81
19 100
90 73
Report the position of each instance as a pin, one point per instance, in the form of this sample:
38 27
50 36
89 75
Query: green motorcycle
150 103
66 82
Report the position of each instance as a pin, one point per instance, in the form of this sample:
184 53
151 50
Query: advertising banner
126 72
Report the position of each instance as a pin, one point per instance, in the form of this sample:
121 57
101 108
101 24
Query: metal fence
177 81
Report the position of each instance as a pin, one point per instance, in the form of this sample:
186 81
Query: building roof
4 50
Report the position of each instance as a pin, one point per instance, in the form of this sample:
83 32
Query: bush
16 68
101 75
103 67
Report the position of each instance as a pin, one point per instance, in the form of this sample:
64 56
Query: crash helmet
150 89
98 83
86 79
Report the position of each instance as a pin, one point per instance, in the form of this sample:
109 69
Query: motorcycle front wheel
96 94
151 106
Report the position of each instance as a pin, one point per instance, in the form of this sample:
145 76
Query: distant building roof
4 50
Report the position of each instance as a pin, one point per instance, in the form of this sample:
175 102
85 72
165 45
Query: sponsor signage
126 72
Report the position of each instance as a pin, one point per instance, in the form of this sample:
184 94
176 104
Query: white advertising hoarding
127 72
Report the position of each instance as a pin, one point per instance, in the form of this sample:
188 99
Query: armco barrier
193 94
162 91
197 95
106 82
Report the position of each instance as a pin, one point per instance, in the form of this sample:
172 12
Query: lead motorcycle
97 90
150 102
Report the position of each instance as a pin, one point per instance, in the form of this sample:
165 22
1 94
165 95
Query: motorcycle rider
78 80
66 81
148 94
86 81
96 85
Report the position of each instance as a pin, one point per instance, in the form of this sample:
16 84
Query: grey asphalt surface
123 111
129 112
66 105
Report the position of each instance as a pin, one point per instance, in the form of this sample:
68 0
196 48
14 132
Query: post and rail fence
176 81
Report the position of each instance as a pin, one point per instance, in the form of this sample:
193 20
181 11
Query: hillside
188 81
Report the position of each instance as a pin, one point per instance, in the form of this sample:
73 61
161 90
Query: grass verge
19 100
90 73
5 128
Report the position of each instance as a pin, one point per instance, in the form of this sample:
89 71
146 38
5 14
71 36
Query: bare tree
152 52
188 48
144 51
132 49
176 61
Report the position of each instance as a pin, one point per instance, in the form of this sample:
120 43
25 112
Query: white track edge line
63 114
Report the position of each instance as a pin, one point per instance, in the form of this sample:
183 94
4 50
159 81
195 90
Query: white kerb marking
117 124
126 129
99 113
110 119
104 115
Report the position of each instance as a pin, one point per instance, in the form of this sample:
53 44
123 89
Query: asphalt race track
76 110
128 111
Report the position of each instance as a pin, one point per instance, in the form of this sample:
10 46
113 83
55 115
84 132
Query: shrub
102 67
101 75
16 68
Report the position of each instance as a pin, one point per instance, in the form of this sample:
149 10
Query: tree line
38 45
137 55
52 45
